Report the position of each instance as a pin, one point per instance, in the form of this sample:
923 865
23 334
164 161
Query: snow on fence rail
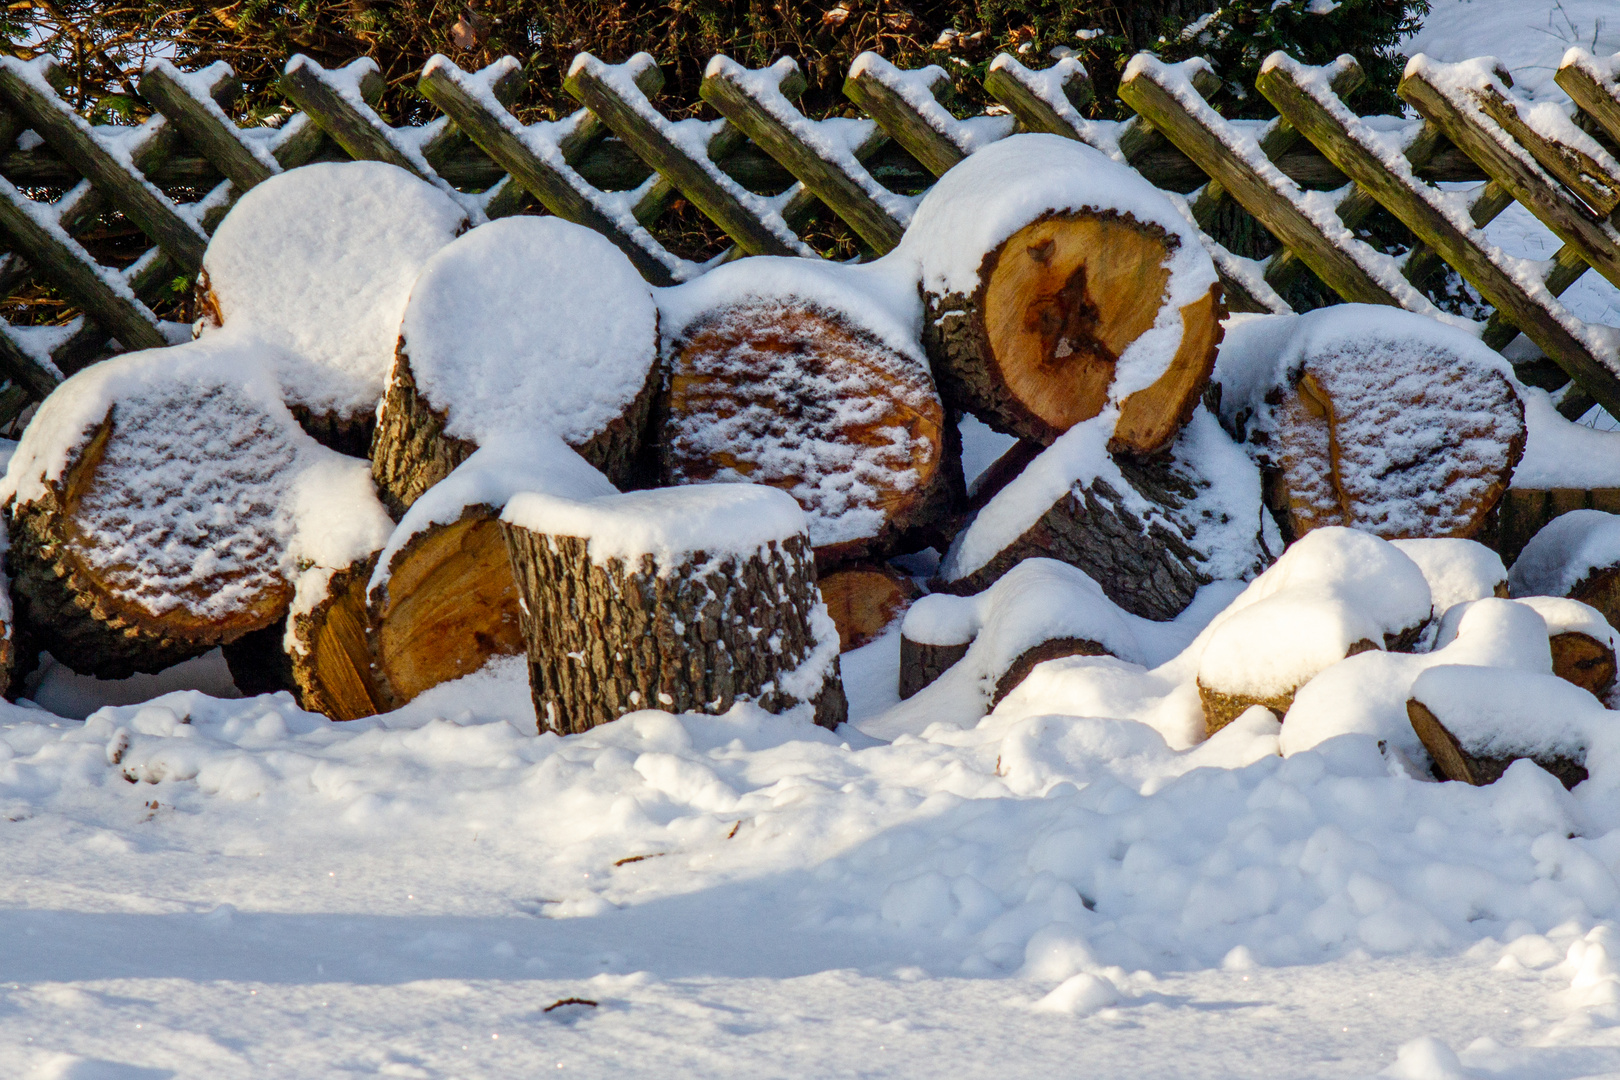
619 164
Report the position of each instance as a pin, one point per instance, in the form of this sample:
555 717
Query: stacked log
161 504
443 600
685 599
785 372
1477 721
1058 283
319 260
1383 421
525 323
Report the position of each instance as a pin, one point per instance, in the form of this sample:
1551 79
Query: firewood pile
400 447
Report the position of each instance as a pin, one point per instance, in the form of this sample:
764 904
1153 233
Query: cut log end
108 615
1034 351
1452 762
1222 707
450 605
331 656
1583 660
799 397
864 601
921 663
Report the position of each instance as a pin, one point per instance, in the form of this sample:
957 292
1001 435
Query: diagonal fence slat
540 163
759 104
610 91
1388 177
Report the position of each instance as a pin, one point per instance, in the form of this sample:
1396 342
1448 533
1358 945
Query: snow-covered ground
219 887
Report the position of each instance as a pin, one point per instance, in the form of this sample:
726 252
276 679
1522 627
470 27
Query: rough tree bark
1033 350
606 638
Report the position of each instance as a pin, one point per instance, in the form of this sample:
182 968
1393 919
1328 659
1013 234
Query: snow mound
668 524
1565 552
1456 569
1561 454
320 261
529 321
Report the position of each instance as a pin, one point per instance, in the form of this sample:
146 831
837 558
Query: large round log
320 260
1149 531
1383 421
684 599
163 503
524 323
785 372
443 601
1058 283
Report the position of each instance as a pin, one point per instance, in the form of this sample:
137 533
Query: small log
685 599
1583 660
328 643
1150 531
1523 512
1222 707
864 601
1053 649
1576 555
525 322
1477 721
922 662
320 261
812 394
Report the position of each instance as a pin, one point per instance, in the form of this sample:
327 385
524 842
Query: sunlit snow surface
276 895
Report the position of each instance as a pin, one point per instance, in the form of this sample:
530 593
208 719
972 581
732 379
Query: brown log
921 663
1583 660
1362 443
332 667
1453 762
1221 708
160 538
1150 561
1032 351
606 637
496 342
864 601
763 391
448 606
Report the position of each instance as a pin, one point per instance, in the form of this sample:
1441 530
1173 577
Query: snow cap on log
1568 555
1335 593
1058 282
166 501
807 376
1375 418
320 260
1149 533
686 599
524 323
1041 610
1476 721
1457 570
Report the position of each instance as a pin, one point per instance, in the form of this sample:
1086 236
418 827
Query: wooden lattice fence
619 164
